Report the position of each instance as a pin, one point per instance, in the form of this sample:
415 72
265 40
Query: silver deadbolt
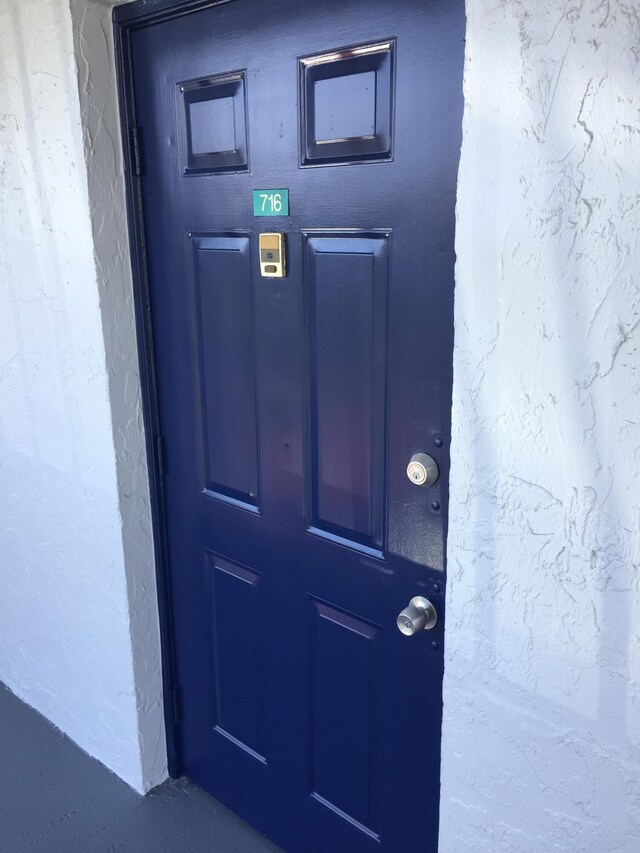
420 615
423 469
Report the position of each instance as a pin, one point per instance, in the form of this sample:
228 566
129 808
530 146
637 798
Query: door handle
420 615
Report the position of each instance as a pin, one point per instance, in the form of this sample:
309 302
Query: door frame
126 19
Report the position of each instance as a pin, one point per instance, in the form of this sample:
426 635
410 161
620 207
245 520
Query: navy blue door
291 407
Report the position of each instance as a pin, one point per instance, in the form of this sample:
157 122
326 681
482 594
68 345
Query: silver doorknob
420 615
423 469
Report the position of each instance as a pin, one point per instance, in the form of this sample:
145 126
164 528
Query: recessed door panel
347 278
237 653
347 98
224 359
290 406
213 124
345 107
345 723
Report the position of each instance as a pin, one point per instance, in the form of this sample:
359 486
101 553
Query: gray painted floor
54 798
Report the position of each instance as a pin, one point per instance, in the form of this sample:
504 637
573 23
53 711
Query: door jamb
126 19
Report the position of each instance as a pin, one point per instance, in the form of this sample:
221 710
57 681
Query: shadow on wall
36 222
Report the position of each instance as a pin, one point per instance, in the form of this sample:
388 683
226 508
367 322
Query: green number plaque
271 202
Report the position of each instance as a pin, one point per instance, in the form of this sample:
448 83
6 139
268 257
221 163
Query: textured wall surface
93 40
541 741
72 558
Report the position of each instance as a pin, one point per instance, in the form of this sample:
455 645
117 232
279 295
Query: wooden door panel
290 407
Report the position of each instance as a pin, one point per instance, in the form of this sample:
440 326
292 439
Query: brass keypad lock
272 256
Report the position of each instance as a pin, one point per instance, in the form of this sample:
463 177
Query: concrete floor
54 798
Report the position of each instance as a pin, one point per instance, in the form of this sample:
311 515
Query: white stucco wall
77 587
541 741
